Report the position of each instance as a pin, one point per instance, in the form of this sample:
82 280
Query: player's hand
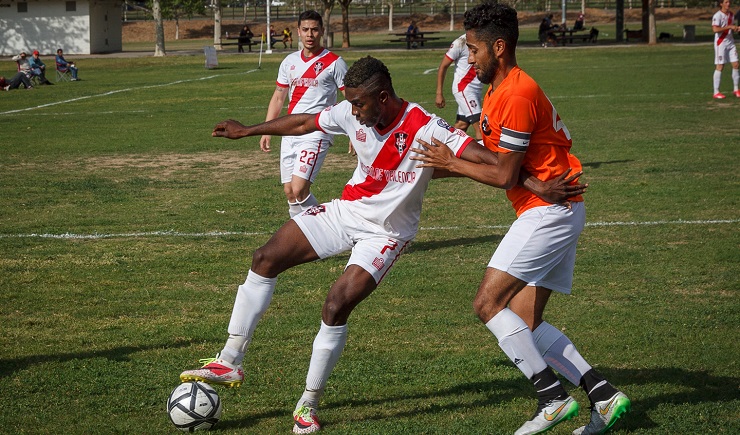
229 129
351 149
440 101
559 189
434 155
265 143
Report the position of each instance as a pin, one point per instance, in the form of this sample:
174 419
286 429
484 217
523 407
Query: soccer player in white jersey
376 217
309 79
466 88
725 50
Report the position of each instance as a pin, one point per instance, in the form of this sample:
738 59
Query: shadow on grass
596 165
432 245
699 387
9 366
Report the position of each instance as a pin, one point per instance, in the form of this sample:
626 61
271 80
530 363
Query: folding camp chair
32 77
63 73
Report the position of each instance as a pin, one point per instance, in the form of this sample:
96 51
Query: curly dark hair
311 16
370 73
491 20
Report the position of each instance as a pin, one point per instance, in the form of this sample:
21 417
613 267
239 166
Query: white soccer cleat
215 371
305 420
548 415
605 414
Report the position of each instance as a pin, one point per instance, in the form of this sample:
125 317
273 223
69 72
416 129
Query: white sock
327 348
310 201
560 353
294 209
515 339
717 77
252 300
735 78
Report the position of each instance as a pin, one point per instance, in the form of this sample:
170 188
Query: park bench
634 34
412 42
571 36
248 45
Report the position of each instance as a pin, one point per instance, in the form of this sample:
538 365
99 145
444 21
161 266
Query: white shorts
331 229
301 157
468 104
540 247
725 53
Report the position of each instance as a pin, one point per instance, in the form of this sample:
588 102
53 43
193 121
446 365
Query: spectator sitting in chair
38 68
64 66
18 79
287 37
245 37
24 65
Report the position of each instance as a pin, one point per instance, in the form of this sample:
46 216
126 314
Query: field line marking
172 233
118 91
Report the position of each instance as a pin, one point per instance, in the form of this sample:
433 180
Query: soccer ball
194 406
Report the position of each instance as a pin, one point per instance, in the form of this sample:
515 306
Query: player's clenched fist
229 129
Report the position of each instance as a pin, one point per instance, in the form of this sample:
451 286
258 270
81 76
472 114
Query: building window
22 7
71 6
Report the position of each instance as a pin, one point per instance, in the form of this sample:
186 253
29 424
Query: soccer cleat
736 93
605 414
305 420
719 96
548 415
215 371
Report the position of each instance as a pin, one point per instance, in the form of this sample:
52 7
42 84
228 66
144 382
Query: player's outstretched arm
441 72
503 174
481 164
288 125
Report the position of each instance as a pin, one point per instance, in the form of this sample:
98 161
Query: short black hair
491 20
370 73
311 16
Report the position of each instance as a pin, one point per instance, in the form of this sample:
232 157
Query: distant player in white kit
311 78
725 50
376 217
466 88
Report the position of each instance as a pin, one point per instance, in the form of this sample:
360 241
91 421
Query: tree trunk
345 22
177 27
217 24
652 36
328 6
158 29
390 16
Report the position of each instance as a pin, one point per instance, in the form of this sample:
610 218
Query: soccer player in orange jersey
537 255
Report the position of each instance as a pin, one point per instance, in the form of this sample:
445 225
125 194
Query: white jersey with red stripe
387 188
720 19
465 79
312 83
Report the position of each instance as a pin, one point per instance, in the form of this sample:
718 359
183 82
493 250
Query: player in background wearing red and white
310 80
725 50
376 217
466 88
538 253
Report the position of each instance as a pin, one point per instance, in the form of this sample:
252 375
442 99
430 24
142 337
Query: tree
176 9
328 6
216 5
345 22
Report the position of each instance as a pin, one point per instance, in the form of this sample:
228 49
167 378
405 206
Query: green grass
96 330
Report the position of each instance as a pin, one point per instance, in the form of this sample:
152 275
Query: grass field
125 230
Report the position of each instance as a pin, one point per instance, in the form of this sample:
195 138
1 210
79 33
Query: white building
77 26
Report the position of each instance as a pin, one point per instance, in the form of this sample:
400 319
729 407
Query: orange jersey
517 116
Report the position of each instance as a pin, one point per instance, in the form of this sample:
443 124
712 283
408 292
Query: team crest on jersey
318 67
303 169
292 67
401 138
378 263
485 126
360 135
313 211
442 123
